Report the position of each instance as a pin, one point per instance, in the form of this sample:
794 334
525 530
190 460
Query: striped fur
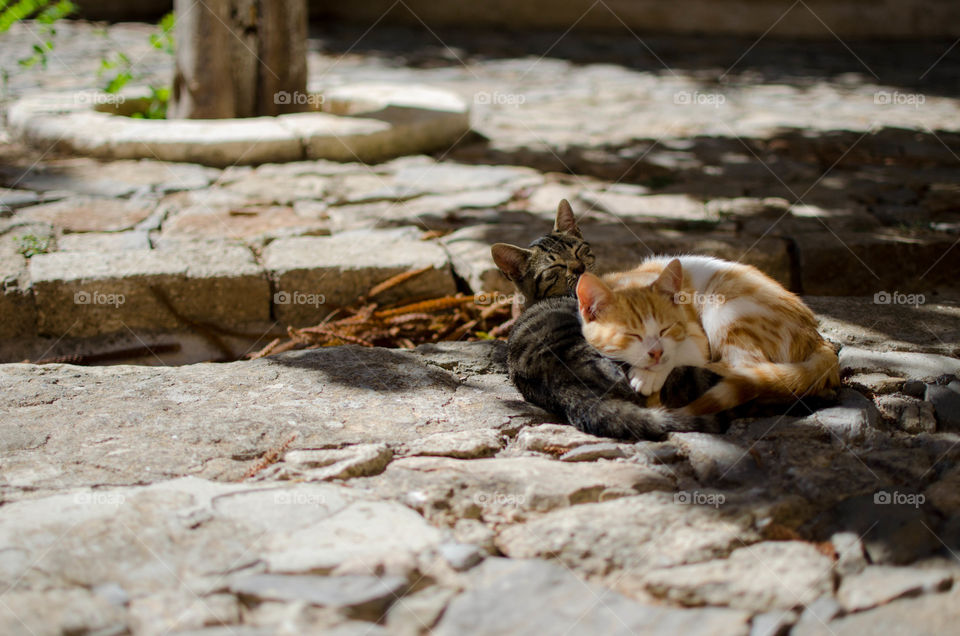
760 338
551 265
552 365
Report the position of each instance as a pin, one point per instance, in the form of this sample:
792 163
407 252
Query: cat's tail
818 375
622 419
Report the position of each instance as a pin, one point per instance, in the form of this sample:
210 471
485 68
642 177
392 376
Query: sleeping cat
727 317
552 365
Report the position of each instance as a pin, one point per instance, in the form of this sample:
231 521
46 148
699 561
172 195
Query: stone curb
90 293
379 121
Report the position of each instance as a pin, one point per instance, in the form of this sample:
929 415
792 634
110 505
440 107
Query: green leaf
20 11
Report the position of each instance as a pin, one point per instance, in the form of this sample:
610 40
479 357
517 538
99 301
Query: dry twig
270 457
402 324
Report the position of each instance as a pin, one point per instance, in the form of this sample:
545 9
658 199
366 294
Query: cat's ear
511 260
594 296
671 279
566 222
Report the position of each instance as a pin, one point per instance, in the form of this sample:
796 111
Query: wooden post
239 58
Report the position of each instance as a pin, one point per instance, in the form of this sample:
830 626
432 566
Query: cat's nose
655 354
578 269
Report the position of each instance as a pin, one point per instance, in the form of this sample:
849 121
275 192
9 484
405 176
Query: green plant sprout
30 245
46 13
118 71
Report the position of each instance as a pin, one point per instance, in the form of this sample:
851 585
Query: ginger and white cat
699 311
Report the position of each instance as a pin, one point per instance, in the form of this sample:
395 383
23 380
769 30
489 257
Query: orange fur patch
780 355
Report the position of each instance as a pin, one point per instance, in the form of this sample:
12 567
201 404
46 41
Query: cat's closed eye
666 329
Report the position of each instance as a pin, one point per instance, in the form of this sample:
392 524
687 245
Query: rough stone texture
860 324
16 298
241 222
593 452
58 611
89 214
908 364
89 293
852 420
13 198
794 169
945 494
462 445
930 614
819 612
910 414
649 207
469 251
103 241
218 420
461 556
430 212
851 559
76 455
876 383
553 438
618 247
635 534
874 263
716 460
946 404
333 271
759 578
497 487
116 178
418 611
343 463
517 597
384 121
879 584
155 533
369 594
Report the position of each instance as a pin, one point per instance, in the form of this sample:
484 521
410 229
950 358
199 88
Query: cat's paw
647 382
639 380
685 384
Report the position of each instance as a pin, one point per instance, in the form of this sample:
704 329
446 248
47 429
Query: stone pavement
355 490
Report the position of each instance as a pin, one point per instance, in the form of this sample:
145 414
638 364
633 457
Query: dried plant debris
272 456
406 325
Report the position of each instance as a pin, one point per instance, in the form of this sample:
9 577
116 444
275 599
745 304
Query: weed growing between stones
46 13
30 245
405 324
118 70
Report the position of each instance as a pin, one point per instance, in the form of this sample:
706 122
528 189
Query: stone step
279 473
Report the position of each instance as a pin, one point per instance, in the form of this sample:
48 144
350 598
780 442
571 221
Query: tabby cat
727 317
552 365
